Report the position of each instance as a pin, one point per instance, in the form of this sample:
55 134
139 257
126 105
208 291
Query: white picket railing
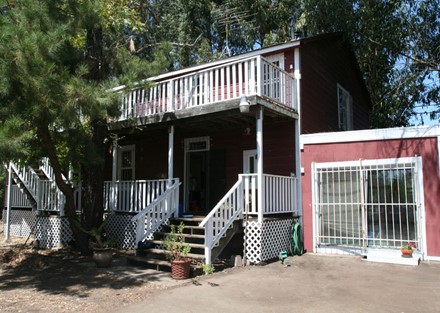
18 198
279 196
48 169
222 216
28 177
133 196
45 192
251 76
150 218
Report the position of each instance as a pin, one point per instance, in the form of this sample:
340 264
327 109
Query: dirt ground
34 280
61 281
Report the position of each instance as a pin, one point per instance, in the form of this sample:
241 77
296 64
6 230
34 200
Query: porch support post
8 204
297 74
298 170
114 173
260 195
170 154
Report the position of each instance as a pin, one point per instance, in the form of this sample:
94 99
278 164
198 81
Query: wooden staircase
152 254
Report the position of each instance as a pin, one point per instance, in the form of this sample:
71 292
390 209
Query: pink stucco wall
334 152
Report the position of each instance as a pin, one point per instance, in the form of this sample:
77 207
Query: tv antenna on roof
228 16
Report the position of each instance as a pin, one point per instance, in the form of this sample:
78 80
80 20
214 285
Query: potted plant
101 244
176 251
407 249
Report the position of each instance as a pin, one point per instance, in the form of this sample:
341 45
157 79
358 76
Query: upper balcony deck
214 89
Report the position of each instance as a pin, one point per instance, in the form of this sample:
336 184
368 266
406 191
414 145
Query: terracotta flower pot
406 253
180 269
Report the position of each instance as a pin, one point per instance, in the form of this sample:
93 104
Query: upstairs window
345 109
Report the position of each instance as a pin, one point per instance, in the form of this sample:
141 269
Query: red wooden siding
324 64
339 152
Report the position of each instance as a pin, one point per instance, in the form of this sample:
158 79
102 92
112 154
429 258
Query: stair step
159 264
195 236
188 219
192 245
190 255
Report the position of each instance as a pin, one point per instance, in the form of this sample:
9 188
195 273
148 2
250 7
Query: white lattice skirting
21 222
123 229
265 240
51 231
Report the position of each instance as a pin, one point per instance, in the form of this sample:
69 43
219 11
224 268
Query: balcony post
112 195
170 155
259 73
261 191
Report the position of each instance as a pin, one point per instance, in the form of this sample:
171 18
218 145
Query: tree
58 61
396 43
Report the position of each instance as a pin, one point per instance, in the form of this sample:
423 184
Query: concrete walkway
312 283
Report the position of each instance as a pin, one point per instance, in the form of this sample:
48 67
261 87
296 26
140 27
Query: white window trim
347 124
121 149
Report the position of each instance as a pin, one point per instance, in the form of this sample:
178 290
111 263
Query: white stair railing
157 213
48 169
221 217
46 193
28 178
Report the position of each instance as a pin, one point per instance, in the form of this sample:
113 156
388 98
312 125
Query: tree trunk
92 174
81 238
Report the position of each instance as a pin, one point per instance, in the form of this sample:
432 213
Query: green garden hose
296 242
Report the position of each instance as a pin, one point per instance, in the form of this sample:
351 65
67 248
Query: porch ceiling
217 116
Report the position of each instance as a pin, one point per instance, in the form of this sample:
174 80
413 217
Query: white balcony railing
251 76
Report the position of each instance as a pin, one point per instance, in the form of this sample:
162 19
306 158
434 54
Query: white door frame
419 198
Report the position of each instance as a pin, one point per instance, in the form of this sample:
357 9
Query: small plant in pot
101 244
176 251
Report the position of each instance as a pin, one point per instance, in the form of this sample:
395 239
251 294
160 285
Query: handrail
28 177
156 213
48 169
222 216
46 193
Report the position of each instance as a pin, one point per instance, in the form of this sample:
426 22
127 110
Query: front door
196 175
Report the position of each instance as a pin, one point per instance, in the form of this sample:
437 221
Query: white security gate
367 203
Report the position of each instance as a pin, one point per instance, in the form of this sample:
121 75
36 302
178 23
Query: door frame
418 195
204 145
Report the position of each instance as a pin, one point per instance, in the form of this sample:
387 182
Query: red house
218 144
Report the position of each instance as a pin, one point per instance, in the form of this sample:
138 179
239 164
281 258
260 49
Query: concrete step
392 256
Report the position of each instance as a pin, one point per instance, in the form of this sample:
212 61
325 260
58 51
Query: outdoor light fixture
244 104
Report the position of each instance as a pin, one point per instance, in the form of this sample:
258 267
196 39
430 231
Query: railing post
260 185
208 240
170 98
9 204
140 227
259 78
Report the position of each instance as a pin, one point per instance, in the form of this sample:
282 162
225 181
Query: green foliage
208 268
174 243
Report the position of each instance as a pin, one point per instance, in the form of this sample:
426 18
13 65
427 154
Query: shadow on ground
64 272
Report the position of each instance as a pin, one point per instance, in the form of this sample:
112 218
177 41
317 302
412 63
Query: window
126 162
345 109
